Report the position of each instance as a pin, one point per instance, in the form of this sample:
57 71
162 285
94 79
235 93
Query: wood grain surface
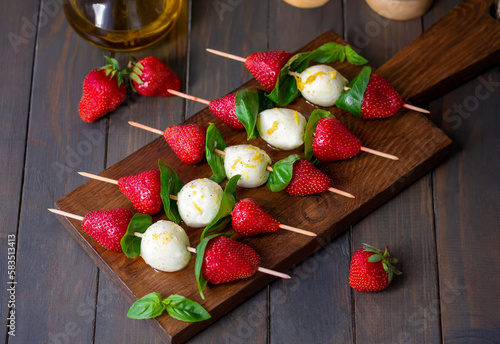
418 143
63 298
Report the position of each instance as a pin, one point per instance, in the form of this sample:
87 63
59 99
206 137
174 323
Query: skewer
293 229
63 213
111 181
408 106
229 56
337 191
187 96
261 269
145 127
376 152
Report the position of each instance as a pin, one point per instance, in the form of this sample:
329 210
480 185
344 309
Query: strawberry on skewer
250 219
107 227
143 189
186 140
265 66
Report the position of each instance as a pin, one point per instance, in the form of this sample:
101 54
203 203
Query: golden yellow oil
122 25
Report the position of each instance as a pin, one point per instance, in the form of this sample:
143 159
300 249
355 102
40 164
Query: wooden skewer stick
63 213
145 127
376 152
187 96
229 56
337 191
261 269
408 106
111 181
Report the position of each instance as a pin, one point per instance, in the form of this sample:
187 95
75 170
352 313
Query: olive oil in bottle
122 25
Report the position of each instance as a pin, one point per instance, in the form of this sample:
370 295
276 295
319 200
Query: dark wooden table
444 228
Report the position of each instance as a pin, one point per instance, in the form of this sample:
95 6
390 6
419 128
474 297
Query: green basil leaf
264 102
282 173
170 185
227 203
351 100
200 254
312 123
131 245
149 306
246 106
215 161
184 309
285 90
353 57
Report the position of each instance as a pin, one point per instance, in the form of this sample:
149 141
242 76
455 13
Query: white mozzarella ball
282 128
321 84
199 201
248 161
163 246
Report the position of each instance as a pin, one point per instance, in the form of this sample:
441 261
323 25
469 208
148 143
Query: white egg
248 161
282 128
163 246
199 201
321 84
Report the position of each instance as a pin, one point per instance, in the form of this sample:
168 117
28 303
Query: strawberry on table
152 78
107 227
143 190
265 66
307 180
372 269
187 141
333 141
250 219
103 91
227 260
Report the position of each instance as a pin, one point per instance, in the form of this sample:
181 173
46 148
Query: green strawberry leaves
286 90
177 306
223 217
248 103
113 69
351 100
282 173
312 123
215 141
131 244
385 259
170 185
200 255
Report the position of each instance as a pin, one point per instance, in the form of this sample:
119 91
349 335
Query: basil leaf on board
200 255
264 102
285 90
282 173
149 306
223 217
353 57
246 106
215 161
184 309
170 185
312 123
131 245
351 100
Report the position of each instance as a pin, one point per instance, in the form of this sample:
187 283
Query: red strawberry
187 141
380 100
249 219
143 190
227 260
333 141
223 108
307 180
152 78
102 92
107 227
265 66
371 269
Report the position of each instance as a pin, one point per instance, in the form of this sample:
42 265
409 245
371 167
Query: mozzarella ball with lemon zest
321 84
248 161
282 128
163 246
199 201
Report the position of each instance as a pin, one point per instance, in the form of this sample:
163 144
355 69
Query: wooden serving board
373 180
